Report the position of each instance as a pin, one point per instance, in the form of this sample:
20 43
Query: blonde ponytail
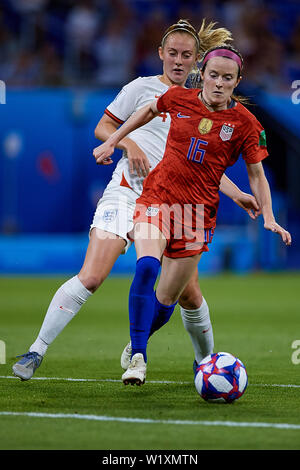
210 37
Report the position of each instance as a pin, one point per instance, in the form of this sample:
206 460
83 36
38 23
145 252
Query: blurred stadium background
63 61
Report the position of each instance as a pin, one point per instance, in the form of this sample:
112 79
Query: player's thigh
103 250
191 297
175 274
148 240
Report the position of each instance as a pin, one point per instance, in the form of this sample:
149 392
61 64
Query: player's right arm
244 200
138 119
137 159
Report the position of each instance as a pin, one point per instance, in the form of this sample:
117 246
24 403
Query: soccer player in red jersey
209 130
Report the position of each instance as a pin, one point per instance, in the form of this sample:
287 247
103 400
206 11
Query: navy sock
142 303
162 314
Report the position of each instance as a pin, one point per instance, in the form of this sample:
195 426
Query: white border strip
70 379
153 421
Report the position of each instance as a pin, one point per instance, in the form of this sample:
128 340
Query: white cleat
136 372
126 356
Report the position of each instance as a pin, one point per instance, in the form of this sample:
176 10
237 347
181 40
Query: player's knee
166 299
91 282
191 298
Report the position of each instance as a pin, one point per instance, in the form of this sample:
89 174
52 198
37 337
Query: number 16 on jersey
196 153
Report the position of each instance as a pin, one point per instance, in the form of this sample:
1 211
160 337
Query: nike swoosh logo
179 115
66 309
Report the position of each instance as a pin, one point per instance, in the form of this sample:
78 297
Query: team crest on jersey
226 131
152 211
109 215
205 126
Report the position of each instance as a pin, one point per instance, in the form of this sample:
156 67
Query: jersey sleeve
254 148
125 103
165 100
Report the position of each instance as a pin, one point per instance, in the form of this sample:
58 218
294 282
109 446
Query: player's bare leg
193 306
148 240
101 254
196 319
176 273
103 250
191 296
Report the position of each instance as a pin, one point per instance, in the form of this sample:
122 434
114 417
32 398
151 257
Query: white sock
66 302
197 323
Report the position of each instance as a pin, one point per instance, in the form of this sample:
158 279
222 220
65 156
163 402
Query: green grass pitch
255 317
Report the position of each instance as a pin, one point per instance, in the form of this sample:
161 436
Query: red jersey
201 144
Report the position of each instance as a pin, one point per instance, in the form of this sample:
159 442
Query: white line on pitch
70 379
153 421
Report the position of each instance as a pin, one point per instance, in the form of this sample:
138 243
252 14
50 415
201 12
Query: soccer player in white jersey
142 150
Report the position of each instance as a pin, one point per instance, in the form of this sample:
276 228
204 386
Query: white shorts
114 214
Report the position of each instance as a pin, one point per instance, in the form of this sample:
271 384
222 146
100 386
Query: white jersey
114 212
151 137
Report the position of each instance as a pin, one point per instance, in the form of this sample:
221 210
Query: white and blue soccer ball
221 377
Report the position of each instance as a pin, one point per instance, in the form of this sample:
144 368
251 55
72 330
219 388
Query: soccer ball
221 377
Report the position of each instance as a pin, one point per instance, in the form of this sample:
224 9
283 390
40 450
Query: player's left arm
261 190
244 200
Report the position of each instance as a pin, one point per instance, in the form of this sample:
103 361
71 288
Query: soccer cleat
126 356
25 367
136 372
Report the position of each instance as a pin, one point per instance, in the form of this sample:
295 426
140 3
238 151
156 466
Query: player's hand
137 160
249 204
276 228
103 152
